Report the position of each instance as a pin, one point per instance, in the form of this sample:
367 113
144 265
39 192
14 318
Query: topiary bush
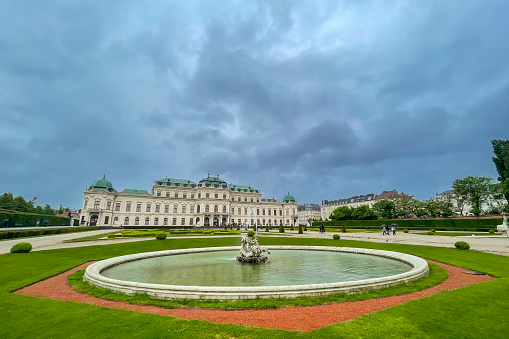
492 231
433 230
430 233
21 247
300 230
281 228
343 230
161 236
250 234
461 245
336 236
405 230
266 228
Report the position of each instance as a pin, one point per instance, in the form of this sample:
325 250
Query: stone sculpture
504 227
251 251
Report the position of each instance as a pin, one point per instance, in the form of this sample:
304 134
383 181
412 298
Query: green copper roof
133 191
213 181
289 198
242 188
102 184
176 182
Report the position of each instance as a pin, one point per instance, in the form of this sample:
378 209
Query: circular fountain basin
291 272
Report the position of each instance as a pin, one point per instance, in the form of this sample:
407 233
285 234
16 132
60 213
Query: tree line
469 195
20 204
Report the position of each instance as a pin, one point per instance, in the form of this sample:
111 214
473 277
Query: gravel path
302 319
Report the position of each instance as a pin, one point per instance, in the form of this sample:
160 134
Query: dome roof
103 184
289 198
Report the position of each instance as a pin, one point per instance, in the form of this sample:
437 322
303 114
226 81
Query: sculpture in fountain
251 251
504 227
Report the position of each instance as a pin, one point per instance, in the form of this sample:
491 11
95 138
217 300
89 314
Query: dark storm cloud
326 99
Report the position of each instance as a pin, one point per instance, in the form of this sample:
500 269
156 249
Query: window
224 209
156 221
166 208
251 199
280 212
245 199
240 211
206 208
215 208
183 208
215 195
198 209
128 207
268 211
233 210
183 221
257 200
263 211
176 194
158 193
191 209
287 211
257 211
117 207
175 208
206 195
252 222
137 221
238 199
148 207
192 196
184 196
108 205
126 221
224 196
85 204
106 220
115 220
191 222
167 194
138 207
147 220
165 221
96 204
174 221
245 210
158 208
199 195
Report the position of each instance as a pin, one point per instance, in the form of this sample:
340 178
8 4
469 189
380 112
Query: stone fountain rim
159 291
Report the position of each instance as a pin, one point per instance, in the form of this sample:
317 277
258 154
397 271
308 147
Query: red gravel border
295 318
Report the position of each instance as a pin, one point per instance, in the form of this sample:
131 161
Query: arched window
199 195
147 220
215 208
224 209
137 221
198 209
263 221
156 221
224 196
126 221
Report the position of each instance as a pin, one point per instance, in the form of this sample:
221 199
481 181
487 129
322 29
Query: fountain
251 251
504 227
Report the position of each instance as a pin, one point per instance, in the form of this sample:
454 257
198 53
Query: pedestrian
387 229
393 229
384 227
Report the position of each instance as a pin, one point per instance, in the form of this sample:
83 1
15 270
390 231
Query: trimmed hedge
22 219
21 247
161 236
44 231
336 236
461 245
481 224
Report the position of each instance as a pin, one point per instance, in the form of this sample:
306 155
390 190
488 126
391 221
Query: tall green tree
501 159
341 213
475 189
385 209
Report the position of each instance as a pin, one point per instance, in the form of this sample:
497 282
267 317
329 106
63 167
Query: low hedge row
22 219
480 224
44 231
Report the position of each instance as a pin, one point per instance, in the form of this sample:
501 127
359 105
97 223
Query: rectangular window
245 210
138 207
175 209
96 204
148 207
108 205
184 196
165 221
191 222
156 221
176 194
240 211
206 208
166 208
263 211
167 194
224 209
158 193
206 195
192 196
157 208
280 212
257 211
106 220
192 210
183 221
233 210
174 222
128 207
183 208
117 207
268 211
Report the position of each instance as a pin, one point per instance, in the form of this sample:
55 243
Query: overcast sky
324 99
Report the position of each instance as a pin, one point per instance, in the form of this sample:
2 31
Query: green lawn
462 234
471 312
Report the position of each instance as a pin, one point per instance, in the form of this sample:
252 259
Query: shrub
161 236
250 234
432 230
112 235
336 236
21 247
461 245
405 230
492 231
300 230
343 230
266 228
281 228
430 233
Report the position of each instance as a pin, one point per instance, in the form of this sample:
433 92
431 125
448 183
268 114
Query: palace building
178 202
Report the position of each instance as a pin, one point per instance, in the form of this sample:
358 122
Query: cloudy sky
324 99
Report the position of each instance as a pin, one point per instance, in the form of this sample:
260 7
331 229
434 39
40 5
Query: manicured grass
461 234
470 312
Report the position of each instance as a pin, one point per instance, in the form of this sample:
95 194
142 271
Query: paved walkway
490 244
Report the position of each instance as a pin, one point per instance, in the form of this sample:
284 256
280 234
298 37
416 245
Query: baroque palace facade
178 202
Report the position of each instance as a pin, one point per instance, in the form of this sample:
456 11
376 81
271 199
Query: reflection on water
284 267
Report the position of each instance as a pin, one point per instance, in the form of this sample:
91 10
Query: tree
501 159
385 209
363 212
341 213
418 208
402 204
474 189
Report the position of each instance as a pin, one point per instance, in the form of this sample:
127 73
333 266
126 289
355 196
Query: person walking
383 229
387 229
393 227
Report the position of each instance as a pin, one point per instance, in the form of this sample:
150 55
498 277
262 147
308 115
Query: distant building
180 202
308 213
328 207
